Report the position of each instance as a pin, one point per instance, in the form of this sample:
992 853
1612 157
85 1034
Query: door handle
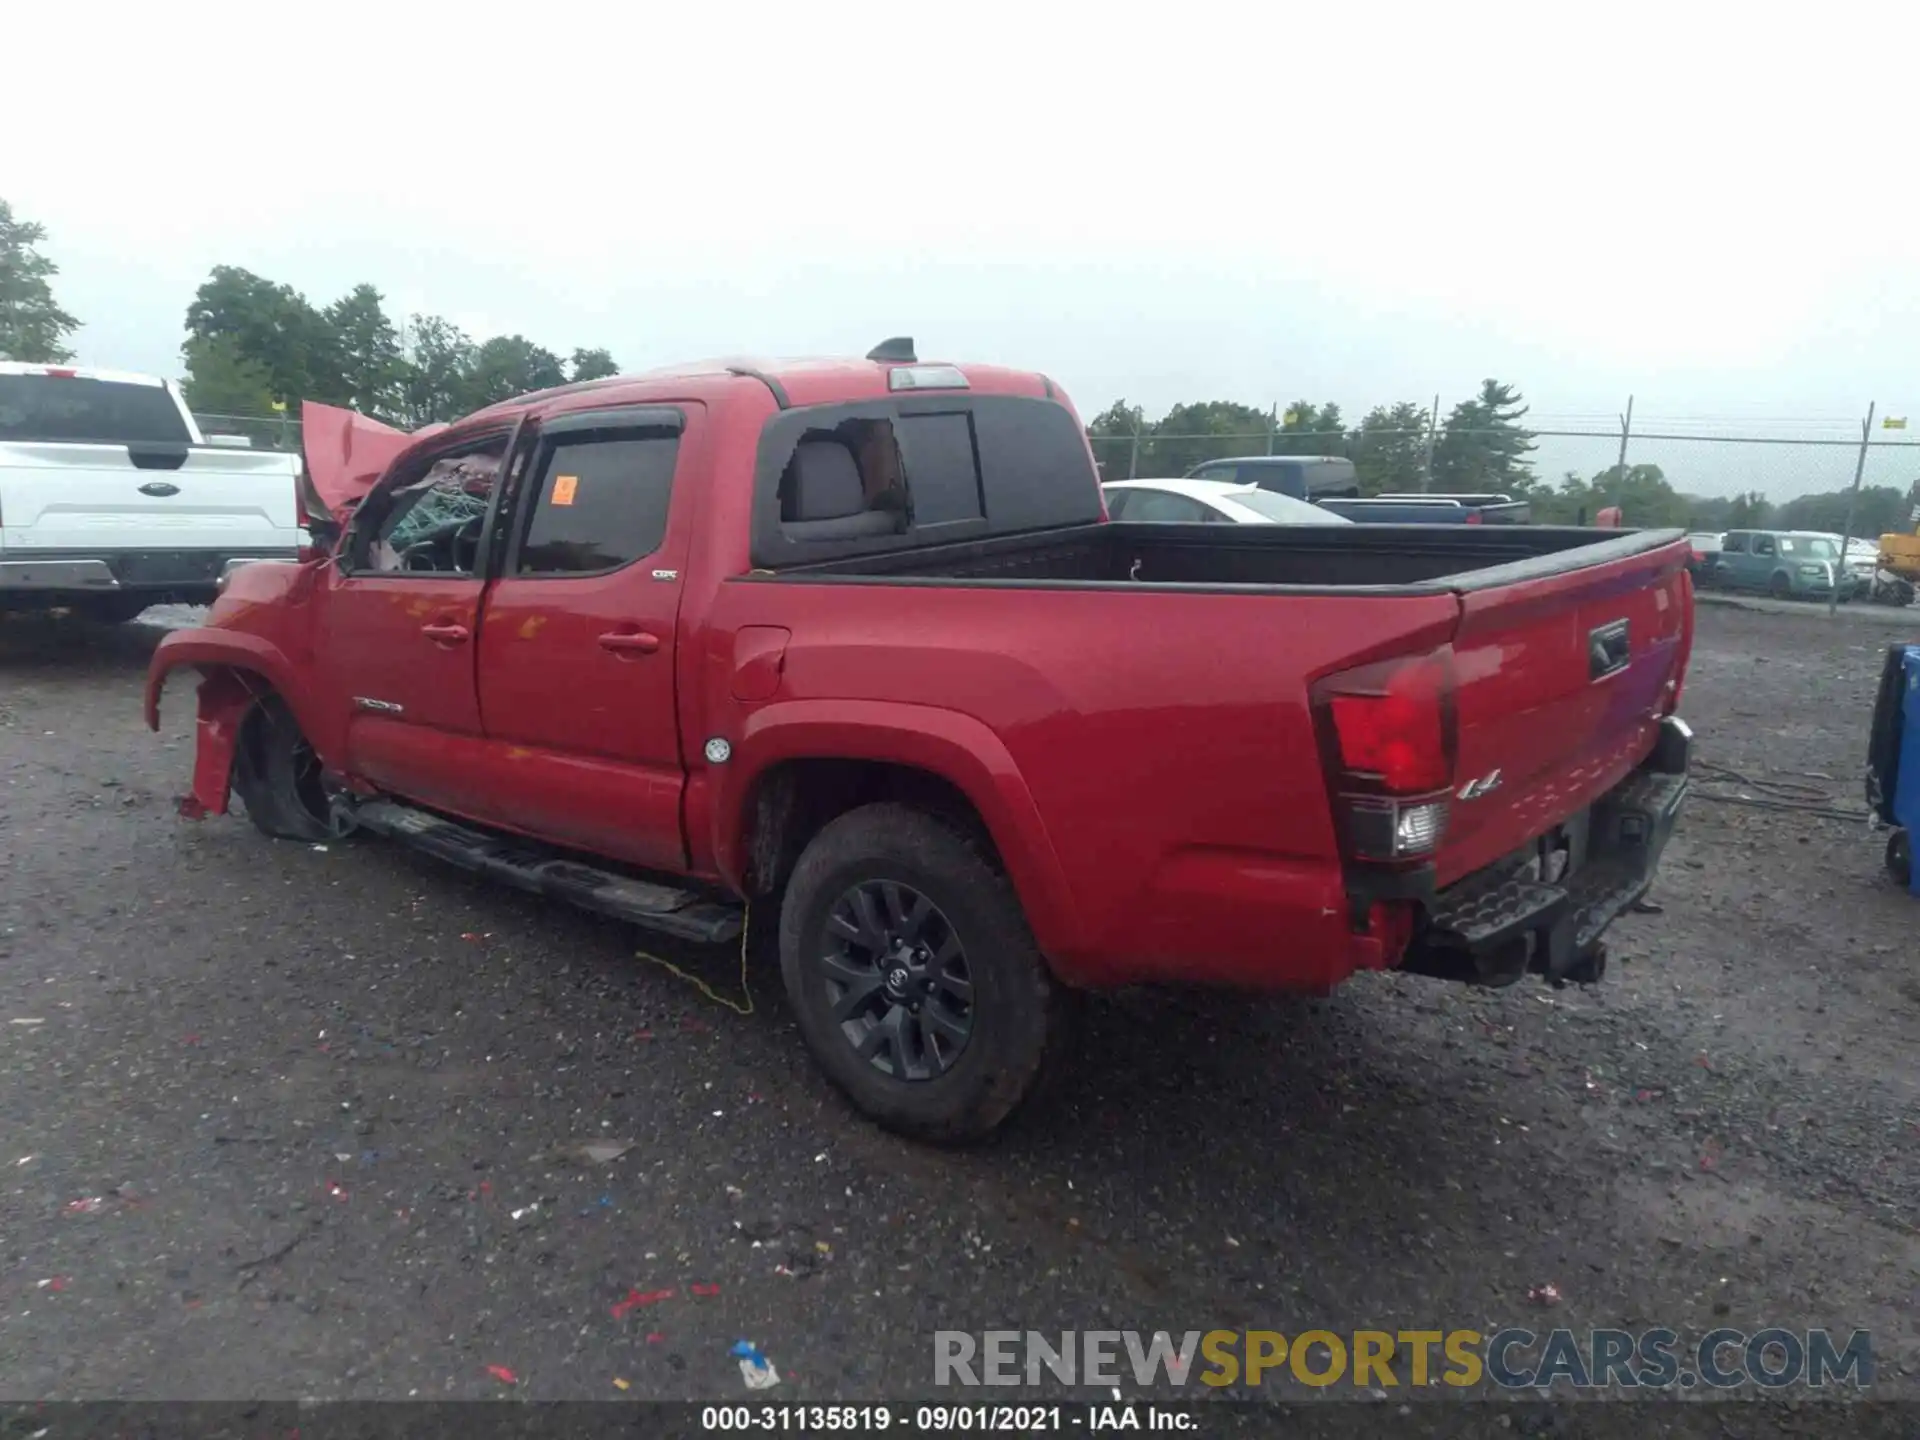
630 642
445 633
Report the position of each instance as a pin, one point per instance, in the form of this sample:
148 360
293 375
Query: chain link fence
262 432
1781 461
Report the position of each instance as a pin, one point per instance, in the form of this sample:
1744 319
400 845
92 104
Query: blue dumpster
1893 759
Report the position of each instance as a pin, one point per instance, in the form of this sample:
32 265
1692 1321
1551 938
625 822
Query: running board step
526 865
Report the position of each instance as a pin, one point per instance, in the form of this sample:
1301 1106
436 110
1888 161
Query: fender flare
206 650
958 748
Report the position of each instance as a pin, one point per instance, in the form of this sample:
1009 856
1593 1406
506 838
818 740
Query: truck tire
1780 586
913 975
277 775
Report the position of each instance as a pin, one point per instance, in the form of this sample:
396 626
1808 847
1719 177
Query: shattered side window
433 524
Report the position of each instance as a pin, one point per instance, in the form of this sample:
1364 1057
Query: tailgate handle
1608 650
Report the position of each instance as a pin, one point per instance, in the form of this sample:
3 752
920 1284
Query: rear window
943 467
829 476
602 504
99 412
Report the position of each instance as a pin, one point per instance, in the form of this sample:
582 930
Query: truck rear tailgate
1562 679
58 496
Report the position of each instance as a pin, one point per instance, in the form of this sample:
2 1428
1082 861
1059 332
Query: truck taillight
1388 731
1474 517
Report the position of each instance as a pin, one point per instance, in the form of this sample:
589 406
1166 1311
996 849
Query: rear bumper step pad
1487 920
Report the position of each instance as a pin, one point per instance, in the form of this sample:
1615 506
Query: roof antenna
897 351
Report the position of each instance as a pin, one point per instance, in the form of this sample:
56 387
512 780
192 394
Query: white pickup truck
111 500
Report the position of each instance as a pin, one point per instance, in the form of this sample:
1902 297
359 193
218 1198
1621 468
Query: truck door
577 656
398 621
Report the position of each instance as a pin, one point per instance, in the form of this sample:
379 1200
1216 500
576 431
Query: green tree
1390 448
1190 435
1112 435
1483 446
1646 500
436 372
1309 429
1879 510
222 381
274 327
1749 511
510 365
367 352
592 365
33 328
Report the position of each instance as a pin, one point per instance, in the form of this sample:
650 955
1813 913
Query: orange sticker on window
563 488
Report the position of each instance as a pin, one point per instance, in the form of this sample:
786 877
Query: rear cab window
75 409
835 481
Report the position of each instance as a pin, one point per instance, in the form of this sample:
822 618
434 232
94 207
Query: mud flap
225 698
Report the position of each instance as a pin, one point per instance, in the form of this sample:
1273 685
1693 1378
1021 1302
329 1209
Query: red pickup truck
852 643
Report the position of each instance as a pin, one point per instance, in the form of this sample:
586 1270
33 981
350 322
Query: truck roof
795 382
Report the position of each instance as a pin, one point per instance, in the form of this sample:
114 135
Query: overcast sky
1712 207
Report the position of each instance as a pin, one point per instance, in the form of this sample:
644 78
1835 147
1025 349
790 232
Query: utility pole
1626 429
1133 455
1426 461
1853 496
1273 424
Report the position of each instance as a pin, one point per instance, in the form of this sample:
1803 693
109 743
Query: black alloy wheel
913 975
897 976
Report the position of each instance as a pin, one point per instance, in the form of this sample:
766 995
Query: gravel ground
297 1121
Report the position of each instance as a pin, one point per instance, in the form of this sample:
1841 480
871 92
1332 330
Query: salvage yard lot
297 1121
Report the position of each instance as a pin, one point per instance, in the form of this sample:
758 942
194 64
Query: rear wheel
278 776
1780 587
912 973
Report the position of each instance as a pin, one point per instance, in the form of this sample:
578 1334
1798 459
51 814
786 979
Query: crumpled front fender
225 698
236 671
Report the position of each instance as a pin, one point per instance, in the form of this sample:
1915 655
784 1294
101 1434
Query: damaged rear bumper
1501 923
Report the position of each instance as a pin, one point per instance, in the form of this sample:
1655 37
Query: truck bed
1402 559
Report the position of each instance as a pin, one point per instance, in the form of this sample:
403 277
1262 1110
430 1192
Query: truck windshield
81 411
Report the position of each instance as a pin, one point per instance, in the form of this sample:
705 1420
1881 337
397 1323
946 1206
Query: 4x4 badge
1485 785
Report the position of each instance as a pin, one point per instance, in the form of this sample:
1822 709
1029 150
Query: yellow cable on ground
706 989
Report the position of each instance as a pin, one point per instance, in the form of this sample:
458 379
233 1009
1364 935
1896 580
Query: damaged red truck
853 644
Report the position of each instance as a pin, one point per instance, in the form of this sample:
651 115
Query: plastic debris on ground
90 1205
25 1021
634 1299
56 1283
620 1384
703 1289
755 1368
336 1190
503 1375
1543 1295
604 1151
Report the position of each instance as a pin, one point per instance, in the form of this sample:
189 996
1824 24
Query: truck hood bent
346 452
